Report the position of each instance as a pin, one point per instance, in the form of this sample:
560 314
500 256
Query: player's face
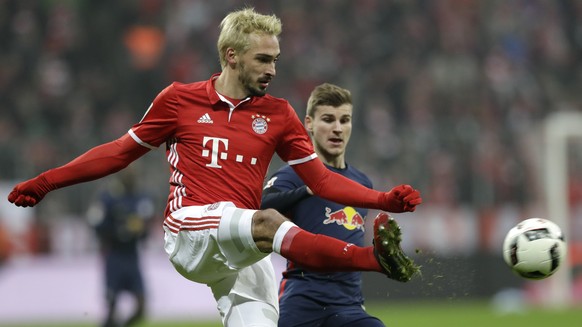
331 128
256 67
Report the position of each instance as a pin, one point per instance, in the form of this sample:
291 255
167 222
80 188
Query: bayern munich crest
259 124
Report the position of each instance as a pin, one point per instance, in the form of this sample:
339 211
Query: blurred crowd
450 96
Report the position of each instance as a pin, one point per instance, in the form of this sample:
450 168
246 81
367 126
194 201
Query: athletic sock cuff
280 235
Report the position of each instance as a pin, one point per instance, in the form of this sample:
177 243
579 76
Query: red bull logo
347 217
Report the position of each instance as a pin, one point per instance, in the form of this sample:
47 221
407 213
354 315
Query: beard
249 85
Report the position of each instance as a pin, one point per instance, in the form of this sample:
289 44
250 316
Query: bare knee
265 225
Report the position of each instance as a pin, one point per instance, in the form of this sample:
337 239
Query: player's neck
228 85
338 162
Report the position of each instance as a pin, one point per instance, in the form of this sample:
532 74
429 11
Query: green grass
469 314
414 314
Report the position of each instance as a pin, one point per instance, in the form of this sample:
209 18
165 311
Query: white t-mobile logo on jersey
215 141
216 154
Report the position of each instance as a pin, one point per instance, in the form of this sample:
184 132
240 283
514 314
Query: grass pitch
414 314
470 314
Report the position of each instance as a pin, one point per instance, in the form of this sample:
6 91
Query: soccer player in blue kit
308 298
121 217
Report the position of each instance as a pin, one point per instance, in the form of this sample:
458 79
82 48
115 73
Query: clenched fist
402 198
30 192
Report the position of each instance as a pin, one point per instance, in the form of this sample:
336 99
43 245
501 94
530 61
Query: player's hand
29 193
402 198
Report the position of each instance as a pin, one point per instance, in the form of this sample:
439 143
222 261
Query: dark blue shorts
123 274
304 313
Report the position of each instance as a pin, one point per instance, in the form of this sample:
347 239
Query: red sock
319 252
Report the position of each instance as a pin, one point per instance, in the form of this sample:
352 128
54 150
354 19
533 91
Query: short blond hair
327 94
236 27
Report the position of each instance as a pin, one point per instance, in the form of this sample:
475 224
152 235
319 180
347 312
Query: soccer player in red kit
220 137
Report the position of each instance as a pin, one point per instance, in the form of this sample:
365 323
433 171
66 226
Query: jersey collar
211 90
216 98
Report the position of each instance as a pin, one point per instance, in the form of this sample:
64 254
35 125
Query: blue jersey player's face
331 128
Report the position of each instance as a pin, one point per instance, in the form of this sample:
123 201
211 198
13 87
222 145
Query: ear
308 124
230 57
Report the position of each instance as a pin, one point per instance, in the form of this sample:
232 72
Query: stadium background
450 97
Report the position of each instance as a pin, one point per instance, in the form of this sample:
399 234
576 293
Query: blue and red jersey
286 192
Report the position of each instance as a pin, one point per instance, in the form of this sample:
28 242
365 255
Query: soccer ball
535 248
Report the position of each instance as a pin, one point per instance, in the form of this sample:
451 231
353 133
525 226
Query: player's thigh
297 310
190 246
235 237
191 242
353 317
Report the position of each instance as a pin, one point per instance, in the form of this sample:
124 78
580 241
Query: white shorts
213 245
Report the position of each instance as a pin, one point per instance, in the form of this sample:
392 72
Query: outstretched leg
319 252
246 236
274 232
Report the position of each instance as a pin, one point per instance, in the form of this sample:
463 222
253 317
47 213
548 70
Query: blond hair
327 94
236 27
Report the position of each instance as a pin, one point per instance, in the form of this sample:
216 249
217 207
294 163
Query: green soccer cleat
387 237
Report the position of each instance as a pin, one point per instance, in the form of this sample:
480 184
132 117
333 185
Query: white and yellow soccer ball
535 248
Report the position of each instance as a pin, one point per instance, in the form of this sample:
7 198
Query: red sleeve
98 162
294 143
160 120
335 187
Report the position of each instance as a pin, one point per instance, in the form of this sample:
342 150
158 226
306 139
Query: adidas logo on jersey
205 119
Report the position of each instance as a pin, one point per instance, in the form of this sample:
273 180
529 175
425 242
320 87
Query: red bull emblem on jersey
347 217
259 124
